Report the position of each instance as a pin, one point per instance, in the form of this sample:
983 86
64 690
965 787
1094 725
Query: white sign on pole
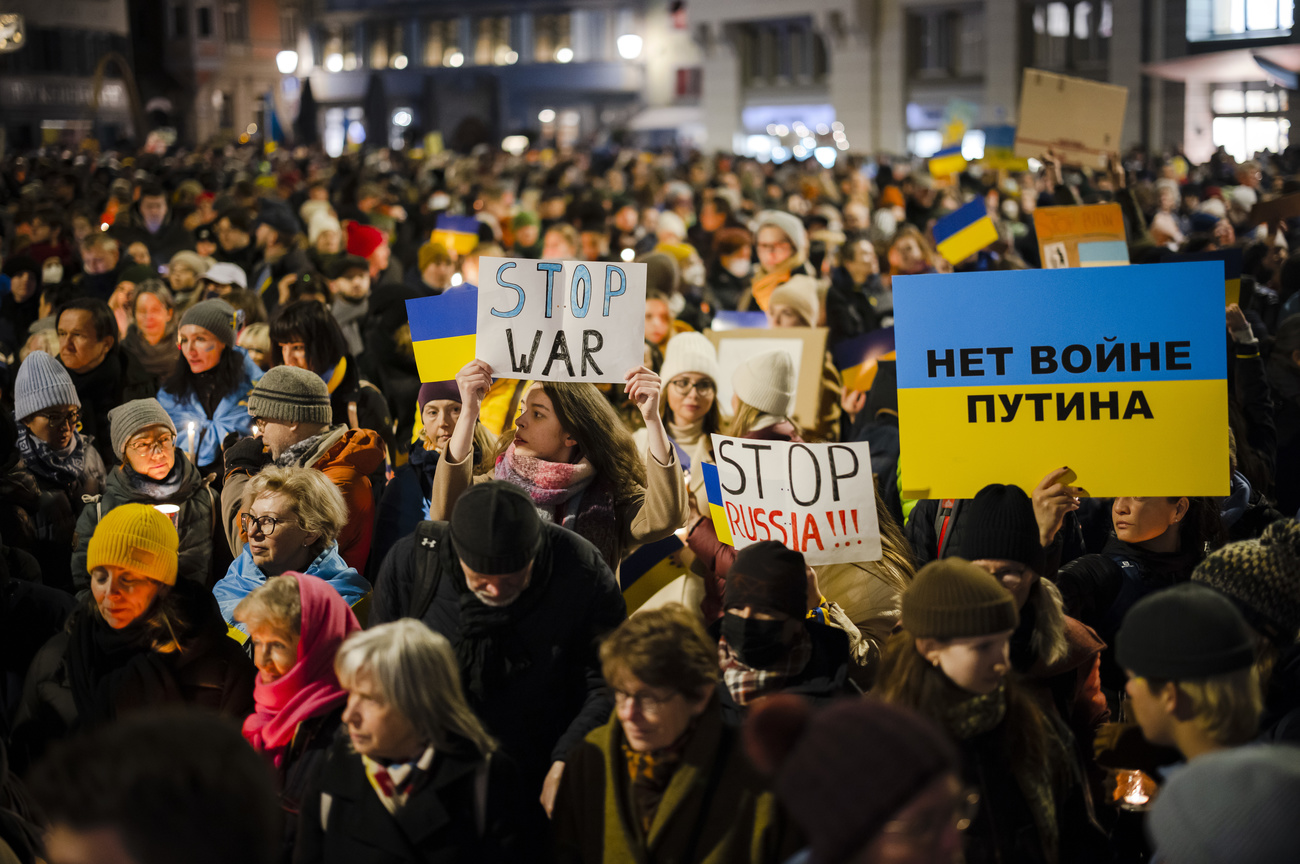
818 499
561 320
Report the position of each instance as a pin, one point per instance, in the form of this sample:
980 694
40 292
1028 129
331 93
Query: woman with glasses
207 392
56 466
153 472
291 518
665 779
781 242
689 405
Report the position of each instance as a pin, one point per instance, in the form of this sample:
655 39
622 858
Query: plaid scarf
65 467
746 683
649 775
395 783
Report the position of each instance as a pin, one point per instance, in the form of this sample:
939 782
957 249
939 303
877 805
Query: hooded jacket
195 520
244 575
231 414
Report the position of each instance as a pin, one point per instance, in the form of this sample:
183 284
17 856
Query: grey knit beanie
291 395
135 416
42 382
215 316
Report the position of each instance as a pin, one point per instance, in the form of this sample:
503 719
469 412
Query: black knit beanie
768 576
495 528
1185 633
1000 524
1263 578
954 599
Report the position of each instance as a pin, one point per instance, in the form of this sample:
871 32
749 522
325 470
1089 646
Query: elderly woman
151 336
418 778
141 638
57 466
153 472
296 624
292 518
665 774
207 392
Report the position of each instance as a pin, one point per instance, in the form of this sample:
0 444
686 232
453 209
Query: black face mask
758 644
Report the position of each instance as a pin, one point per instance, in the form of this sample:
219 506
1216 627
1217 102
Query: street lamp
564 55
287 62
629 46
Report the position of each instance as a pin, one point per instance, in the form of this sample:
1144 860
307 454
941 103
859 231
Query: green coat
741 824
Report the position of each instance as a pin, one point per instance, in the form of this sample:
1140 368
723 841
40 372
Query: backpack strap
942 522
428 537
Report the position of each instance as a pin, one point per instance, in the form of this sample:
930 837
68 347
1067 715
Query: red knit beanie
363 240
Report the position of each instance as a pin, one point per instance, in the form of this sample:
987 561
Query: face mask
694 273
758 644
739 268
439 201
52 274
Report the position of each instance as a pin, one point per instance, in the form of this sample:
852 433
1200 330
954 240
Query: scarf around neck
156 490
649 774
291 456
746 684
65 467
489 651
310 688
113 671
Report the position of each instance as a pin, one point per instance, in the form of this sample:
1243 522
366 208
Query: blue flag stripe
963 217
454 313
711 483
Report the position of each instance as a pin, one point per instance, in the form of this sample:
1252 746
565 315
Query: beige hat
689 352
766 382
799 293
193 260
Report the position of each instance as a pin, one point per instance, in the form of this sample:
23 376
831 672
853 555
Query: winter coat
30 615
852 310
209 668
1284 379
299 774
647 515
171 237
1280 721
405 502
44 514
231 415
344 822
244 575
825 677
541 711
196 519
348 457
118 378
716 809
352 394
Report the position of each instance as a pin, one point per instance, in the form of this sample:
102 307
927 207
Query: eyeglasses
682 386
58 418
646 702
929 827
161 444
266 525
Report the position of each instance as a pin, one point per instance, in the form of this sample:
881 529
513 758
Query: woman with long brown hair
575 459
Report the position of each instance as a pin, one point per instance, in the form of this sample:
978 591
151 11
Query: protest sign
818 499
856 358
1080 120
947 162
1119 373
1000 149
806 347
1274 210
1088 236
442 332
561 320
1232 261
458 233
965 231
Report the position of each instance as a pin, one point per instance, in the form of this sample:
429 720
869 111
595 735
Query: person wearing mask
105 376
576 461
291 408
523 602
950 662
666 777
794 303
417 779
20 307
56 465
348 279
766 642
292 518
867 782
368 242
140 639
209 387
857 301
1189 657
730 266
183 274
150 221
296 624
782 245
155 472
151 335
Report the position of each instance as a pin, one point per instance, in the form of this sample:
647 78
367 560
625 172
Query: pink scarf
310 688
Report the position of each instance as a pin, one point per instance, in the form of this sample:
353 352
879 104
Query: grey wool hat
42 383
215 316
135 416
291 395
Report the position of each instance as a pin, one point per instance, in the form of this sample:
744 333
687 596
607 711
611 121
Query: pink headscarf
310 688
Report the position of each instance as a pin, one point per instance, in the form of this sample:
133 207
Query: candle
189 448
1132 790
172 512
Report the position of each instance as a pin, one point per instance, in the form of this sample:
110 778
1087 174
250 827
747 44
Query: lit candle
171 511
189 448
1135 796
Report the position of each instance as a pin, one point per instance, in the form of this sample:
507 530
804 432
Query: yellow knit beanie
138 538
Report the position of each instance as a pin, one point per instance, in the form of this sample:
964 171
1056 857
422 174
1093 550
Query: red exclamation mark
830 520
854 513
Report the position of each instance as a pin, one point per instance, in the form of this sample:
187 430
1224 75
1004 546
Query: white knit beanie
42 383
670 223
799 293
689 352
789 223
322 221
766 382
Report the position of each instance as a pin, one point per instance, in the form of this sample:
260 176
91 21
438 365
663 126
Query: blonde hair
746 417
415 671
276 602
1226 707
317 502
256 337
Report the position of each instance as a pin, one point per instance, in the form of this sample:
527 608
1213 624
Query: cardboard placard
1091 235
1275 209
1119 373
806 347
561 320
818 499
1080 120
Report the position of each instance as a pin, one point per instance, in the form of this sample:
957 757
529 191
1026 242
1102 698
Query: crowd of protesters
267 596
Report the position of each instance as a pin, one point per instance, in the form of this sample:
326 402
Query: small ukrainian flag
947 162
964 231
714 489
456 232
442 332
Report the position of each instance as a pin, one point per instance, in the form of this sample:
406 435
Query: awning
666 117
1227 67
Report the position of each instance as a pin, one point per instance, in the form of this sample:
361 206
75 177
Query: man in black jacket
151 221
524 604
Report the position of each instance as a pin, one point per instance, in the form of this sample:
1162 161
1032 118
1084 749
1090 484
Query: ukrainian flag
714 489
442 332
856 358
647 570
947 162
456 232
965 231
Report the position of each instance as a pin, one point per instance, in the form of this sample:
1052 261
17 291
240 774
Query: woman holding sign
575 459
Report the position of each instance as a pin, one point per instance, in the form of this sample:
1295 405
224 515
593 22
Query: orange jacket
349 462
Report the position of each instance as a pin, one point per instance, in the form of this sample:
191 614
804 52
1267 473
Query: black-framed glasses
161 444
58 418
682 386
266 525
